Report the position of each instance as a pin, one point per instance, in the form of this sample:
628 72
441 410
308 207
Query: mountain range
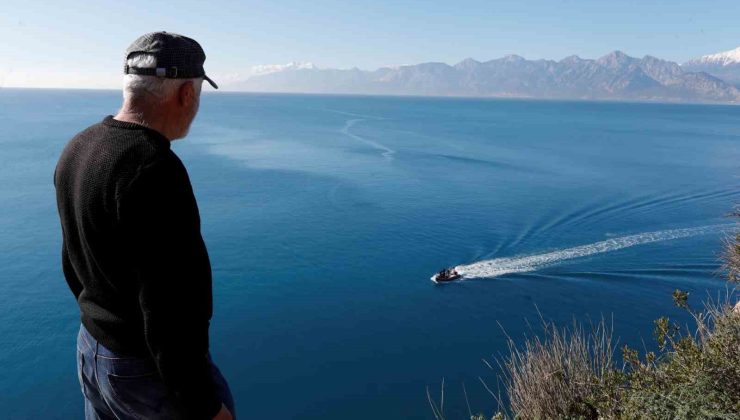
616 75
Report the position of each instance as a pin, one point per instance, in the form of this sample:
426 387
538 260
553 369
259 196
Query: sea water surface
325 217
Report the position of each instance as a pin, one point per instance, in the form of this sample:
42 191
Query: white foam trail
500 266
385 151
352 114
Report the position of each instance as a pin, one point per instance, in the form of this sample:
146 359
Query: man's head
163 75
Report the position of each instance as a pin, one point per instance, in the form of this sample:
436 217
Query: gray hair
136 86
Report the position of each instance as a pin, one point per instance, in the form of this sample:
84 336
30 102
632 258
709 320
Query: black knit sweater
134 257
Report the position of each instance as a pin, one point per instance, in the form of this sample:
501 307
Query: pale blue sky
80 43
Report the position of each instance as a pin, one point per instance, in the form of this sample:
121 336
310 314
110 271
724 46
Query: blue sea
325 217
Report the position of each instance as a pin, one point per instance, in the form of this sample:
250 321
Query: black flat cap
178 57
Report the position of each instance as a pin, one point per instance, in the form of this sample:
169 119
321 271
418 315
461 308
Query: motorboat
445 275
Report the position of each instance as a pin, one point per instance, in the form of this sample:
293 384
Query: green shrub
732 255
694 375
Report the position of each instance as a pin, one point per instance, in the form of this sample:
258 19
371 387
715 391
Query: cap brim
215 86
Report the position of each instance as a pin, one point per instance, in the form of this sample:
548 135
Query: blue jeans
124 387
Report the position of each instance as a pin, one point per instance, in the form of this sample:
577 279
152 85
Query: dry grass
568 362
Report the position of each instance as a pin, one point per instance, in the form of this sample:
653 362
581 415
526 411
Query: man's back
96 167
133 255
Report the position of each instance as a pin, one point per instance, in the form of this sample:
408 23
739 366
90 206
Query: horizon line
401 96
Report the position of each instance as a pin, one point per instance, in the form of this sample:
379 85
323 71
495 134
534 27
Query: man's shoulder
113 153
166 166
108 141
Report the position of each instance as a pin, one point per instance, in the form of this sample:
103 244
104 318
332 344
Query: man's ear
187 93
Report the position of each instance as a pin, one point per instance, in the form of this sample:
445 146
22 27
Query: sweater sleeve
69 273
159 214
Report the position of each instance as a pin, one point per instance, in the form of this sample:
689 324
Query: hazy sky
80 43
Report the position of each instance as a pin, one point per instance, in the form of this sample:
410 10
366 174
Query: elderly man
132 251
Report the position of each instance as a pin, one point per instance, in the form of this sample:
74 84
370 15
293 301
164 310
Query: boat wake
386 152
500 266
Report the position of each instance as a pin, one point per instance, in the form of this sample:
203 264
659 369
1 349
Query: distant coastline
615 76
410 96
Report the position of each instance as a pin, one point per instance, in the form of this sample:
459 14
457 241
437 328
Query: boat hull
437 279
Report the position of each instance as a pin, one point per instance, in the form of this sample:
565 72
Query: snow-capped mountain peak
274 68
723 58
